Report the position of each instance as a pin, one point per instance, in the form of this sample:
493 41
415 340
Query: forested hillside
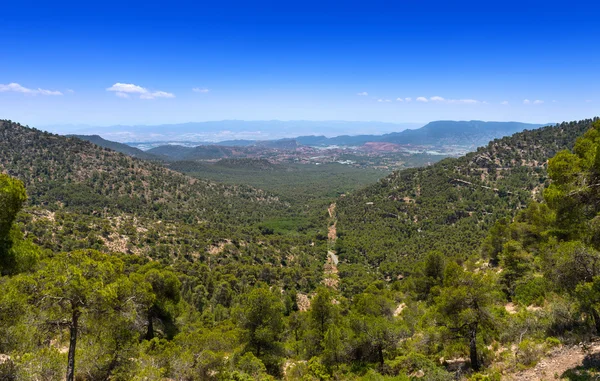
68 172
450 205
227 297
82 196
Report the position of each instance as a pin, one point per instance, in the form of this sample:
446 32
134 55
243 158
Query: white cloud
409 99
127 88
526 101
157 94
400 99
70 91
124 90
422 99
538 102
504 102
16 88
453 101
384 100
200 90
464 101
362 93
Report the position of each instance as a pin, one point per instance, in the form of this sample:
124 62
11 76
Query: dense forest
114 268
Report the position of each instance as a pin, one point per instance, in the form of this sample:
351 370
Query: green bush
531 291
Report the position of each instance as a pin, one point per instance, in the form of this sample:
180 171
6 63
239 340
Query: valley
254 269
299 191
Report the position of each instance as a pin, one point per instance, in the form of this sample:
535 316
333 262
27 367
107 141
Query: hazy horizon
225 130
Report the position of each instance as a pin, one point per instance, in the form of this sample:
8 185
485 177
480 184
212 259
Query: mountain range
467 134
228 130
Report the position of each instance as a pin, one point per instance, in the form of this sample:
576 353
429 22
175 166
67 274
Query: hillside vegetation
272 303
300 185
450 205
82 196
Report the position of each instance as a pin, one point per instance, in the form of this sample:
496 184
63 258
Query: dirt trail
571 363
332 232
331 210
330 270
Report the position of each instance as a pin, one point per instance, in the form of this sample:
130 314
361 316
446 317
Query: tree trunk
596 320
473 347
72 344
150 332
381 359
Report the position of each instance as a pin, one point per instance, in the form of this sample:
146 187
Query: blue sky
108 62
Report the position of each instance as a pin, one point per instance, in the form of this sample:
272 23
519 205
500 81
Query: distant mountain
237 143
119 147
282 144
177 152
472 133
259 130
460 133
172 151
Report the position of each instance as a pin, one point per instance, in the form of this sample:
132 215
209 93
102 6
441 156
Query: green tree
12 198
373 324
160 302
575 190
261 316
515 263
322 311
463 306
72 286
588 298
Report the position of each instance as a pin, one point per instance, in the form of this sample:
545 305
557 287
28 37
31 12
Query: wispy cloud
400 99
125 90
384 100
408 99
464 101
504 102
17 88
362 93
453 101
422 99
535 102
201 90
157 94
